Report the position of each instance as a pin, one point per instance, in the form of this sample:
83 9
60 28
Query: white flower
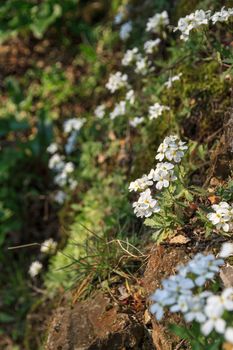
140 184
35 268
136 121
125 30
214 320
178 284
73 184
226 250
146 205
181 305
73 124
119 18
222 302
60 197
221 207
195 311
60 179
151 45
163 174
53 148
68 168
172 149
171 80
143 66
130 56
192 21
100 111
48 246
222 16
204 267
229 334
119 109
56 162
130 96
117 81
157 22
156 110
71 142
222 218
163 297
157 309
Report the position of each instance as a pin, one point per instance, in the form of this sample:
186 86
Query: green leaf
188 196
88 52
215 346
6 318
180 331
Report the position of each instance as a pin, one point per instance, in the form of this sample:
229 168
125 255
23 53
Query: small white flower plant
196 293
163 193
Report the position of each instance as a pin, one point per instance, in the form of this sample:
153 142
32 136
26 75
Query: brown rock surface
161 264
96 325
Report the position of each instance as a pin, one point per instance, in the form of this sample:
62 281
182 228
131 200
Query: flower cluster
49 246
117 81
162 176
222 16
199 18
143 66
222 217
192 21
136 121
73 124
130 97
60 197
125 30
146 205
172 149
100 111
35 268
130 56
63 170
157 22
184 292
151 45
119 109
140 184
156 110
171 80
52 148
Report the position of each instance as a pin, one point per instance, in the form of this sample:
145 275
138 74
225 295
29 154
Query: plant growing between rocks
106 86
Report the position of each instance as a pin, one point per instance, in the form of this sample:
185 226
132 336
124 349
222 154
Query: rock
96 325
161 264
226 275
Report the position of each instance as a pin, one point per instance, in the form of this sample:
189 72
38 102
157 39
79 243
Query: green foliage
195 339
20 16
73 47
99 218
16 296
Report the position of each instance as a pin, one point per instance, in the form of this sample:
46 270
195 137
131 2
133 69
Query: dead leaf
226 275
180 239
147 317
215 182
101 158
227 346
123 292
111 136
213 199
